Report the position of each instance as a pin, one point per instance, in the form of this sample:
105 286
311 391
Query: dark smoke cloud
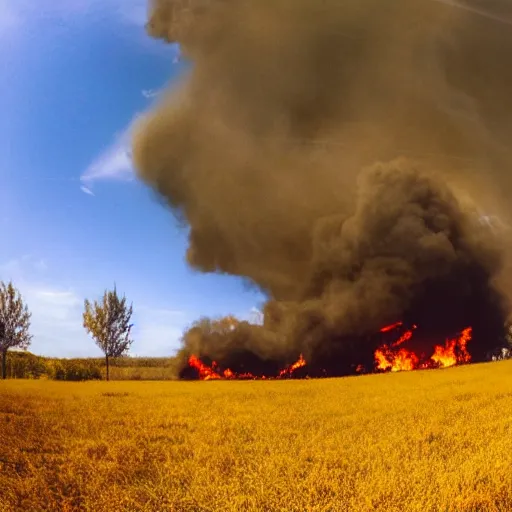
271 150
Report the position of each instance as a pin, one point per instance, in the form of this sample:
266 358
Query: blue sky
73 76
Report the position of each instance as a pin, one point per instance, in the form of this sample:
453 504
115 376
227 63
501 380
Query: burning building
339 156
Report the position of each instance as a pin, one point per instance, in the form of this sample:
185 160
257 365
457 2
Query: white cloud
86 190
163 312
256 316
58 330
56 308
157 332
150 93
16 269
134 12
56 322
40 265
56 298
10 19
115 163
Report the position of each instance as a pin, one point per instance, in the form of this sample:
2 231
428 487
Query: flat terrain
420 441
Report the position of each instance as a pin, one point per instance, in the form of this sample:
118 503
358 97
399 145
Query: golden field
420 441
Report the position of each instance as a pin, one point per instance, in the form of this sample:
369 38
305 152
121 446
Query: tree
108 322
14 322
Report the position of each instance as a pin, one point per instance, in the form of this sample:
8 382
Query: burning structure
339 156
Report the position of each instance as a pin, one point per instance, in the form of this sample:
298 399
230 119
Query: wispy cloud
10 19
157 332
57 310
86 190
150 93
57 323
134 12
115 163
17 268
58 330
256 316
40 265
57 303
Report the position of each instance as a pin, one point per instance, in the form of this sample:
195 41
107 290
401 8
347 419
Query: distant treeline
24 365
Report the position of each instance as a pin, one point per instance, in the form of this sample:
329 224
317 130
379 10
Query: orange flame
453 352
403 360
298 364
387 357
382 360
391 327
228 374
205 372
213 372
465 356
407 335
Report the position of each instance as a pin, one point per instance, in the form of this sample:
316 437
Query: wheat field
420 441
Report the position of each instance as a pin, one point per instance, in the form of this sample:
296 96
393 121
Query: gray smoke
279 151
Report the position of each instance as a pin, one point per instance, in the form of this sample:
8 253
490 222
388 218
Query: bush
73 370
24 365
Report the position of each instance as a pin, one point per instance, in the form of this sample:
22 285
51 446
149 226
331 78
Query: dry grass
421 441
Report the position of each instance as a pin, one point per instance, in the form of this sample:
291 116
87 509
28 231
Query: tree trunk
4 364
108 376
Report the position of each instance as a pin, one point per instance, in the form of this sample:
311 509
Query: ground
435 440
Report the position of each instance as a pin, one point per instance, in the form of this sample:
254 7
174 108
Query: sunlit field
437 440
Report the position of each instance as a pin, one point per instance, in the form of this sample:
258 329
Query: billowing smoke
345 157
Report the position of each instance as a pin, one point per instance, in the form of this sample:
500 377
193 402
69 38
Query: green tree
14 322
108 322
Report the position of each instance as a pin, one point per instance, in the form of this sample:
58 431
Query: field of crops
24 365
423 441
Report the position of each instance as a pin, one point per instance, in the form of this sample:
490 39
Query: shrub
24 365
73 370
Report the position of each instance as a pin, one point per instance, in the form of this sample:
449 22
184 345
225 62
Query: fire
228 374
403 360
298 364
205 372
213 372
393 356
391 327
452 353
445 356
405 337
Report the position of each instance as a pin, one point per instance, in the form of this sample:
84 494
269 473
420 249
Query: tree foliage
14 322
108 322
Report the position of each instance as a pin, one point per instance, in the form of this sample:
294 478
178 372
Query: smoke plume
344 157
